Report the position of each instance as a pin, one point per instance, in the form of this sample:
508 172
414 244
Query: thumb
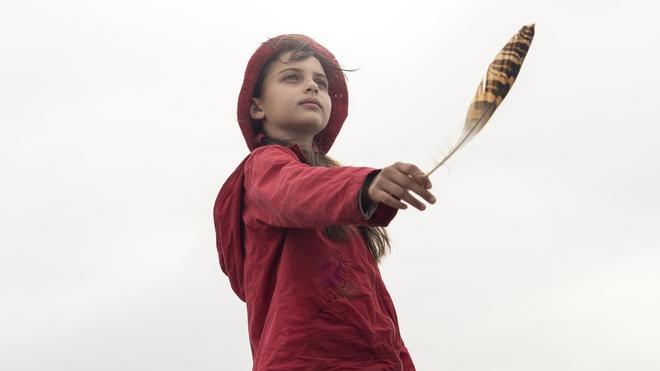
420 178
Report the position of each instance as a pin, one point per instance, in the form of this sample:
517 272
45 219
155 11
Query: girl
299 236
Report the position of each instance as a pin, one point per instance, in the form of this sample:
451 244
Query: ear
256 113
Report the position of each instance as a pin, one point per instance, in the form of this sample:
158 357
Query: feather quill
494 86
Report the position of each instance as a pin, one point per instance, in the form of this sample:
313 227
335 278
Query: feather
494 86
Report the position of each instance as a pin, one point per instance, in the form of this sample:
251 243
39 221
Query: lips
313 101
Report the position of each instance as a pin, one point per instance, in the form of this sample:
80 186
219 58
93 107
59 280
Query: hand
392 184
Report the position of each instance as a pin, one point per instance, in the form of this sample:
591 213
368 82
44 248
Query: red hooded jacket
312 303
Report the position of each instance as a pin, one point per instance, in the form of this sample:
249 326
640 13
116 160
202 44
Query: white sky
117 128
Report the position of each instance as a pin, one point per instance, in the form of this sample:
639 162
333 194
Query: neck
304 144
304 141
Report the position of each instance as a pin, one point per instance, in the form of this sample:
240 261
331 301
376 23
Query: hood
227 217
337 90
229 227
228 208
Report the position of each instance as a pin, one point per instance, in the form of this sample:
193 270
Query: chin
311 127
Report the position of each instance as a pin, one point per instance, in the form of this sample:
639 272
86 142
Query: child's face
282 107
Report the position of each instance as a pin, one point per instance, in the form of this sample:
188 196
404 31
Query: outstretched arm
284 192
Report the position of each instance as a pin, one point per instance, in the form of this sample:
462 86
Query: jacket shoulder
272 152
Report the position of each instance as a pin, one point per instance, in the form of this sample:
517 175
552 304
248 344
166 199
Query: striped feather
492 89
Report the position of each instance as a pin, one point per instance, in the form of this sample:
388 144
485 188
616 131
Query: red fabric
312 303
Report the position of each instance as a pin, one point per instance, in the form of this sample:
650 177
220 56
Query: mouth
311 103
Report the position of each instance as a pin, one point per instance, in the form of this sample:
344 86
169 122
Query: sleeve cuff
367 206
369 210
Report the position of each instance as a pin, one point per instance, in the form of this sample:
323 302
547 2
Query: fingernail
432 199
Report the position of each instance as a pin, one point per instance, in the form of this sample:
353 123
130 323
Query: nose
311 85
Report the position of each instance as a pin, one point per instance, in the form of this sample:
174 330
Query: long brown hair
376 238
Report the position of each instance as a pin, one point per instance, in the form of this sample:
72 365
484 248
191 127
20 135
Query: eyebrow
316 74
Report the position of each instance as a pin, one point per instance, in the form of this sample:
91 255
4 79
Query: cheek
328 111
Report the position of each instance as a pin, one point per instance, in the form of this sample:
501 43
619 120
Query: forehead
282 62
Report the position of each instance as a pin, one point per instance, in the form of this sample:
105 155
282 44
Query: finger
406 182
402 194
413 201
415 173
390 200
422 180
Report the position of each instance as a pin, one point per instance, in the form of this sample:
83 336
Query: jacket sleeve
284 192
367 206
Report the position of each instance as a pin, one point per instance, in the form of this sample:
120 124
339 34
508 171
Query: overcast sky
118 127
